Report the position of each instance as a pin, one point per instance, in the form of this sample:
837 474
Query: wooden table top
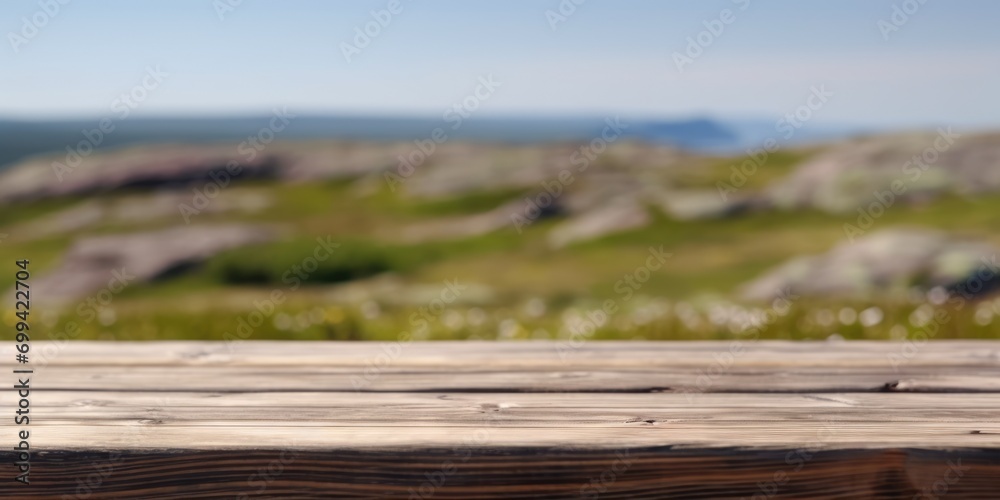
508 420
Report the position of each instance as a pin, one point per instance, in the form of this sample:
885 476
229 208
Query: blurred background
555 169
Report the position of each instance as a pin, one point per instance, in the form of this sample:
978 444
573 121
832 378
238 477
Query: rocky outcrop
99 262
154 166
447 169
509 214
137 210
907 168
885 262
616 216
704 204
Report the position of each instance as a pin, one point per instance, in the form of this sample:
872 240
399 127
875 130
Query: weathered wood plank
948 378
156 432
520 355
518 473
512 420
173 400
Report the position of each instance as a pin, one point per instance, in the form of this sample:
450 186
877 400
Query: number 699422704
22 297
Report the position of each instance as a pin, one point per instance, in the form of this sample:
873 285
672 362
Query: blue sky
942 66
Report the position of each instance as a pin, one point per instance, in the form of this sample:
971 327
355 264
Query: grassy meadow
375 286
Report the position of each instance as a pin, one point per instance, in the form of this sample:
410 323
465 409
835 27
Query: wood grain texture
474 354
510 420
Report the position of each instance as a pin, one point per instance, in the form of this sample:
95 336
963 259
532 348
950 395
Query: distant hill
19 139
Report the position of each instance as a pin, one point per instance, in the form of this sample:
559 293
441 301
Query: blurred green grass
711 258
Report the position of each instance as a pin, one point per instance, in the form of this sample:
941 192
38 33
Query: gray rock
452 168
702 204
846 176
390 289
619 215
465 226
886 262
143 166
92 262
137 210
